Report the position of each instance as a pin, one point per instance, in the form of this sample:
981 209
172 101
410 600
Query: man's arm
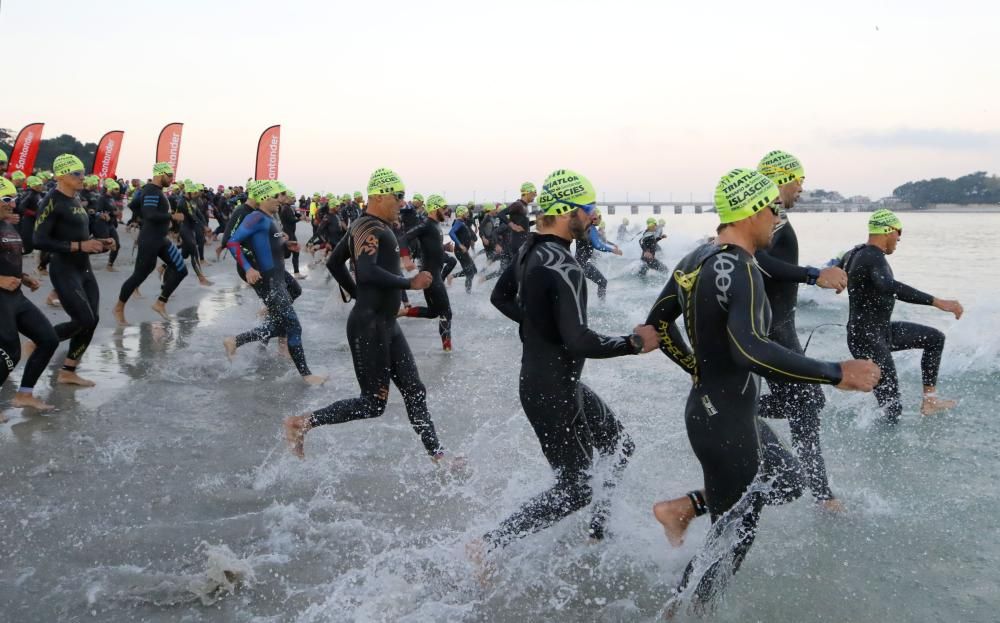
663 318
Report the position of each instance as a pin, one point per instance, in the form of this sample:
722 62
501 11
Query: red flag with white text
22 157
106 156
168 145
268 150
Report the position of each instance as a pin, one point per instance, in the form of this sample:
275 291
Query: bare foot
674 515
119 313
296 427
484 568
3 418
204 281
933 405
314 379
230 344
833 505
72 378
299 276
450 279
452 464
52 300
138 294
44 272
112 269
24 399
161 308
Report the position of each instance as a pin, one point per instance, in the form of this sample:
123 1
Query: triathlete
427 235
649 243
465 241
153 243
585 253
378 347
63 229
720 291
872 333
545 292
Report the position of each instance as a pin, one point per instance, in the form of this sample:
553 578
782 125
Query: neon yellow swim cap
17 176
345 197
565 191
33 180
741 193
781 167
91 180
625 221
527 187
45 175
384 182
7 188
650 221
434 202
111 186
884 222
419 197
3 156
487 207
162 168
461 211
262 190
358 195
64 164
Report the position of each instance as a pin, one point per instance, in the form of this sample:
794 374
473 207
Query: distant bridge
633 208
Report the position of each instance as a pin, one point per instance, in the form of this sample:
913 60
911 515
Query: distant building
859 199
890 199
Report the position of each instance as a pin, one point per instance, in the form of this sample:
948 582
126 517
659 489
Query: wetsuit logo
724 266
370 245
709 407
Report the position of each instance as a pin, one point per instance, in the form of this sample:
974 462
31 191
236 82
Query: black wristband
812 274
636 342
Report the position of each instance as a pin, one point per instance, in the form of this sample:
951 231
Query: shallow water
165 494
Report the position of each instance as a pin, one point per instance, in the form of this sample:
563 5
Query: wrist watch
812 274
636 341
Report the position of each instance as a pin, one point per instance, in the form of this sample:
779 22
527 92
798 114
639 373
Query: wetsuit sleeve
563 295
748 341
663 317
151 212
882 279
504 296
337 265
44 226
253 229
453 234
366 268
780 270
597 243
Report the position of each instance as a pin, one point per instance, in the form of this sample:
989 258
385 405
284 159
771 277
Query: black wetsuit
105 223
871 333
289 219
62 224
378 346
584 253
19 315
427 235
648 243
28 206
801 403
516 213
545 292
462 236
153 243
189 232
721 294
259 232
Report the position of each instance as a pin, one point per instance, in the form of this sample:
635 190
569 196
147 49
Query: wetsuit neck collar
552 238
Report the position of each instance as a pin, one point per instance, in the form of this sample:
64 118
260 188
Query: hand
650 338
646 255
408 263
422 281
462 248
253 276
177 216
498 249
10 283
515 227
92 246
832 278
32 283
953 307
859 375
104 216
617 251
293 246
13 218
449 247
109 244
284 236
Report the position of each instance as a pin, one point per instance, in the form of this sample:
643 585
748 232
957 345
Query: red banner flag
22 157
168 146
106 157
268 150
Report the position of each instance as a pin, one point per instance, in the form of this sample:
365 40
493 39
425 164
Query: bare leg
932 404
230 344
296 427
161 308
119 313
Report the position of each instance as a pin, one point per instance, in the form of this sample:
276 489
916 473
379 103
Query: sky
468 99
